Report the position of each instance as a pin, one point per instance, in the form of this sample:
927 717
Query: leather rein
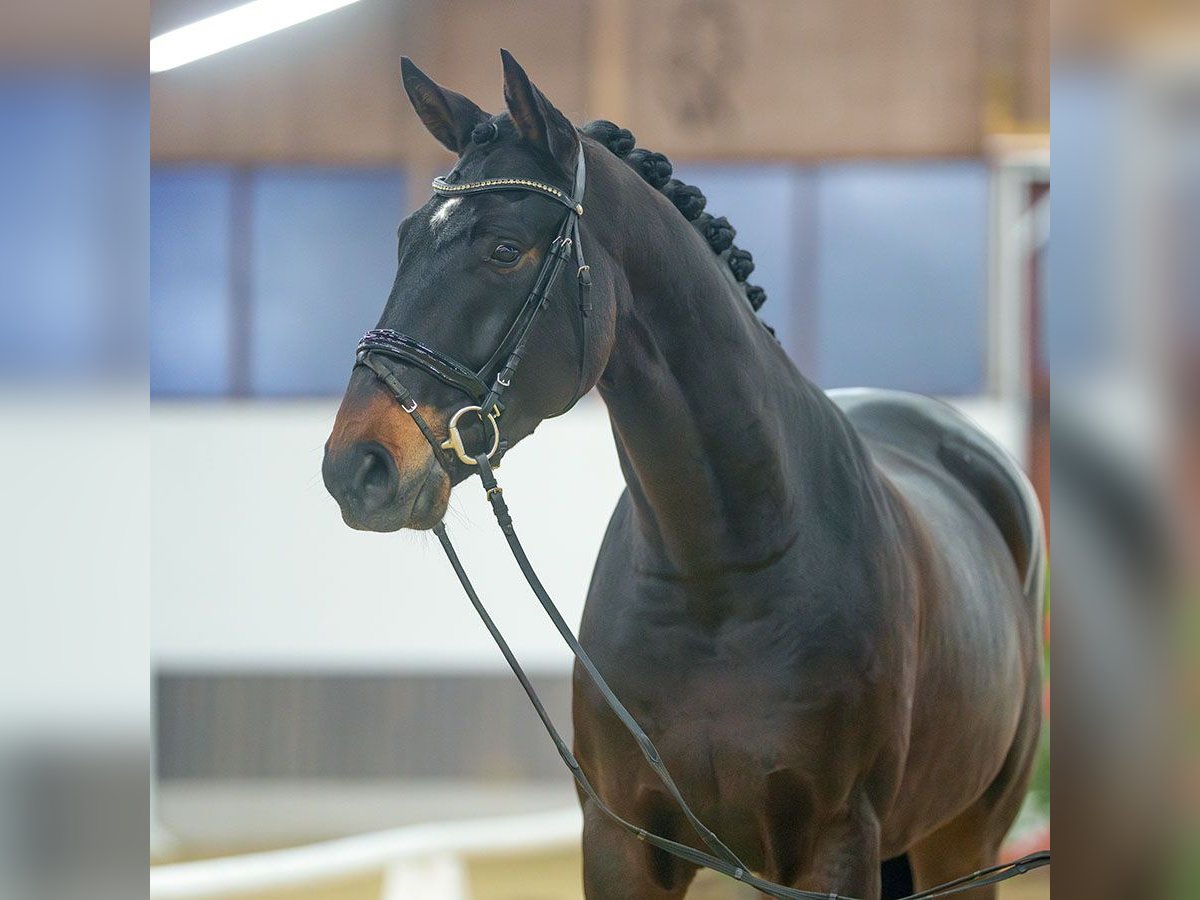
379 346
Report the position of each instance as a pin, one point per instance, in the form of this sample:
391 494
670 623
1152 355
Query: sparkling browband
442 186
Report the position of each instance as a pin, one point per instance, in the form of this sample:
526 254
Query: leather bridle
384 344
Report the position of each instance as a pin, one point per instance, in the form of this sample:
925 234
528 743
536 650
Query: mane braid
655 169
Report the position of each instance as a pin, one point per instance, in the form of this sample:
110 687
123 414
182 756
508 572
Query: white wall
74 590
252 567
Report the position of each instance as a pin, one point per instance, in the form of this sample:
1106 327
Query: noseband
384 343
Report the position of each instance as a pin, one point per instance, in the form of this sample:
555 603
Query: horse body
823 609
803 599
872 692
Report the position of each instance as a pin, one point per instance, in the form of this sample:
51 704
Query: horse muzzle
375 494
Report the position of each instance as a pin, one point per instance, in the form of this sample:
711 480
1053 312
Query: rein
381 344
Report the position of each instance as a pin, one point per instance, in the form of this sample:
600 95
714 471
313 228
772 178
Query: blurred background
887 165
217 236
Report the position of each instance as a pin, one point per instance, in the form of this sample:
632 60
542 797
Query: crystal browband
444 187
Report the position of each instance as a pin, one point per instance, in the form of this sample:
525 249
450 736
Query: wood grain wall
707 79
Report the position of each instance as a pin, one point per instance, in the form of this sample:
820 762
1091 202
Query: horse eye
506 253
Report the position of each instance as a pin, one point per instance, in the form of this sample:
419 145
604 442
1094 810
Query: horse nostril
375 480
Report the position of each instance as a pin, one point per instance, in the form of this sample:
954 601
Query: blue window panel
191 318
322 263
72 174
769 207
902 276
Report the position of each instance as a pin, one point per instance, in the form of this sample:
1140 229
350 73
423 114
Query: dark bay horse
824 608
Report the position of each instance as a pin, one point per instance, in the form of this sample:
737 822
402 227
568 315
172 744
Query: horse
823 607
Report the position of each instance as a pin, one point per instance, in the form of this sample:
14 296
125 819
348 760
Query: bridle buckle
455 442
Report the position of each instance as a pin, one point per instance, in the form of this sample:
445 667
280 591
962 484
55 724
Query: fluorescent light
233 27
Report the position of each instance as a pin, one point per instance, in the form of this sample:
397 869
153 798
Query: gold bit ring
455 442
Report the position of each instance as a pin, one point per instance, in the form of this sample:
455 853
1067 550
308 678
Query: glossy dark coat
823 608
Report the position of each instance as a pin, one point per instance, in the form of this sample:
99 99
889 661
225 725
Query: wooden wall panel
77 34
548 38
700 79
1015 63
327 90
1034 108
818 79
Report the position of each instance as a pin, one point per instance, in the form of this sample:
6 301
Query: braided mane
656 171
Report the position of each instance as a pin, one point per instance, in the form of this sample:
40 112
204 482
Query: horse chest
728 707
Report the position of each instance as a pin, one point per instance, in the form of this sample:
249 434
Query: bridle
384 344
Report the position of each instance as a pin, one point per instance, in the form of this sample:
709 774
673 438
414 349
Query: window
768 207
72 220
191 314
263 281
902 276
323 262
876 274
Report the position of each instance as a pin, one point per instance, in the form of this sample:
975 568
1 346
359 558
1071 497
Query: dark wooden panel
346 726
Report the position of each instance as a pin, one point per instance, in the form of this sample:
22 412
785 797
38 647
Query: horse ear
449 116
535 117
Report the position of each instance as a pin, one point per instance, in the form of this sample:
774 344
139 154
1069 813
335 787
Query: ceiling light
233 27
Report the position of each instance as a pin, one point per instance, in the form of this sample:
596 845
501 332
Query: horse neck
730 454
